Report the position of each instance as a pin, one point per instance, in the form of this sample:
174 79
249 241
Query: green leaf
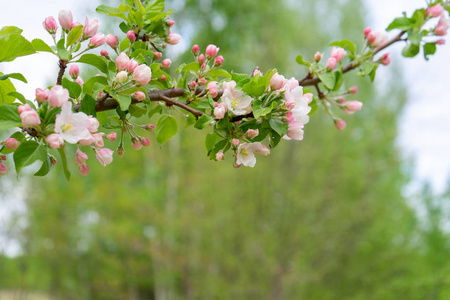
102 117
62 153
73 87
254 89
17 76
219 72
339 80
367 68
88 106
124 44
239 77
193 66
123 100
410 50
8 30
156 110
88 86
13 46
45 168
16 135
94 60
6 87
74 34
166 128
210 140
190 120
279 126
402 23
203 121
62 51
328 79
343 44
429 49
153 9
19 96
373 73
137 111
110 11
27 153
299 59
40 45
217 147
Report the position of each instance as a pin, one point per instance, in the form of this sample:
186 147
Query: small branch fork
108 103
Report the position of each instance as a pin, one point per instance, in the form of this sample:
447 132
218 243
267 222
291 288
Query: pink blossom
163 77
371 37
121 61
211 51
277 81
74 71
435 11
252 133
120 152
290 84
173 38
317 56
245 153
213 88
308 97
25 107
11 143
112 136
367 31
136 144
65 19
142 74
235 142
385 59
122 76
42 95
381 38
353 106
219 60
79 80
58 96
112 40
93 124
98 140
201 58
131 35
30 118
139 95
331 63
80 158
88 141
353 90
170 22
295 131
166 63
3 169
104 53
195 50
75 24
340 124
72 127
338 53
440 42
145 142
220 110
2 157
50 25
97 40
442 26
238 103
219 155
54 141
84 170
192 85
201 81
104 156
158 55
90 27
131 65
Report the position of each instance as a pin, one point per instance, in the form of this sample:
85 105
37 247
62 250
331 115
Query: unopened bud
195 50
201 58
367 31
340 124
353 90
158 55
112 136
104 53
235 142
192 85
131 35
145 142
219 156
317 56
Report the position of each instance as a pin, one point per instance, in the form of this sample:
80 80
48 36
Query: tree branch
62 68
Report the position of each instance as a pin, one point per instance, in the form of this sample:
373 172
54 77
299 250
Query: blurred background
340 215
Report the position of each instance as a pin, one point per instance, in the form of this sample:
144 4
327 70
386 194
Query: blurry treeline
319 219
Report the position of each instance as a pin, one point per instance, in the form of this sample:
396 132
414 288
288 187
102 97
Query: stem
62 68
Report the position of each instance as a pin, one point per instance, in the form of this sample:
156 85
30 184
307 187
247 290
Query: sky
424 135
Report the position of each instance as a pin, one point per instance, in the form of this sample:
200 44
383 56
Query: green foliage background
319 219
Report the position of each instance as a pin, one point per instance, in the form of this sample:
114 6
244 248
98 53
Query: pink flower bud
97 40
41 95
236 165
195 50
74 71
385 59
79 80
434 11
122 60
151 127
122 76
136 144
170 22
341 100
440 42
11 143
277 81
131 35
84 170
219 155
142 74
203 67
104 53
163 77
140 96
2 157
371 37
201 81
338 53
112 40
166 63
145 142
3 169
112 136
235 142
340 124
98 140
104 156
80 158
219 60
212 85
54 141
367 31
201 58
75 24
53 160
158 55
353 106
252 133
58 96
331 63
308 97
25 107
65 19
173 38
353 90
211 51
192 85
220 110
381 38
90 27
50 25
131 65
317 56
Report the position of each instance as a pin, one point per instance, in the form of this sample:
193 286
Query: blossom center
66 127
235 102
244 152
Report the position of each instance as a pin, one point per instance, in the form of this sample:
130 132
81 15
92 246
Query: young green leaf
27 153
166 128
203 121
